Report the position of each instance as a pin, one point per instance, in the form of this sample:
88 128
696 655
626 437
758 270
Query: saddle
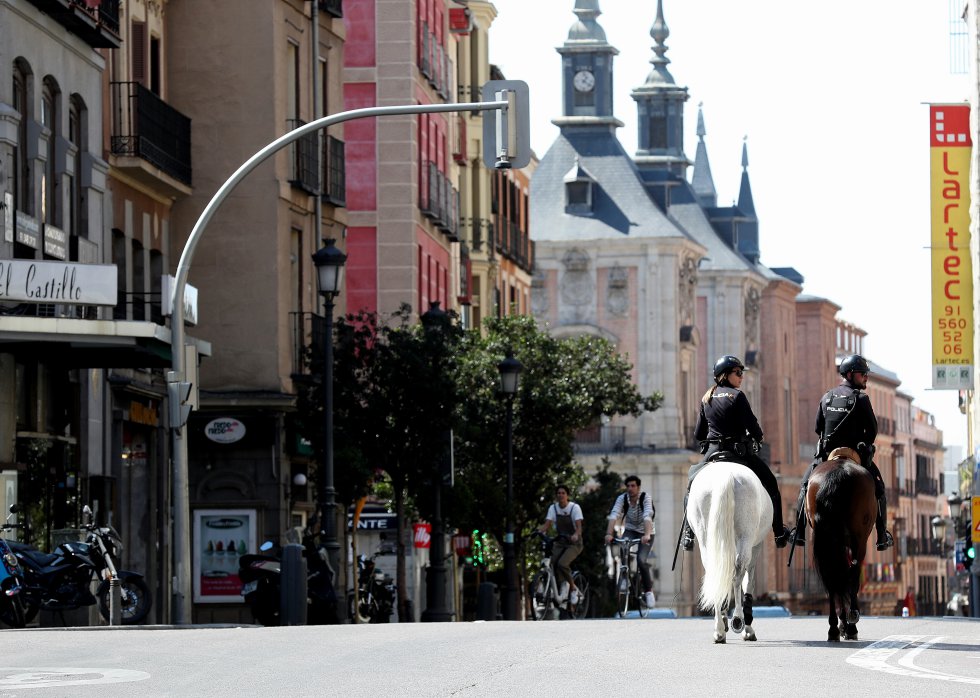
845 453
722 456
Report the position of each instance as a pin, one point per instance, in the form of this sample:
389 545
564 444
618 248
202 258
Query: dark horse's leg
833 635
853 613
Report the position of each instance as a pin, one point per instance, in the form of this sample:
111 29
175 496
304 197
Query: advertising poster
221 537
952 270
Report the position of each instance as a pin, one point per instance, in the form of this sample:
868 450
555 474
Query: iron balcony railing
335 171
332 7
439 200
145 126
600 439
303 166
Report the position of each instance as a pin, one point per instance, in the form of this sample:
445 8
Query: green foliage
566 385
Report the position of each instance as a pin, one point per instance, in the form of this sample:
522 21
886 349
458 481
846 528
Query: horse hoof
833 635
853 616
749 636
737 624
852 634
719 639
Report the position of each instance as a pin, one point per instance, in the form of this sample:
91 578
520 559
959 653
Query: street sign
975 530
506 132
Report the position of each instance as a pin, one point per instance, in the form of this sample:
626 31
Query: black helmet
854 362
726 365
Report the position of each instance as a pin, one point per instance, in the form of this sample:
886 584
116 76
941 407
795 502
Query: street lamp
434 320
510 375
938 526
329 263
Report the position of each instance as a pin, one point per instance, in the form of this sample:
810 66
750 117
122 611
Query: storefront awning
75 343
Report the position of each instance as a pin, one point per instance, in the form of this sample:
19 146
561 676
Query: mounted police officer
845 418
726 423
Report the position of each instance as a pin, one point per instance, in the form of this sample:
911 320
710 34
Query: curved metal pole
181 503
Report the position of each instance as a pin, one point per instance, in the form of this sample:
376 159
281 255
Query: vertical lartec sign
952 274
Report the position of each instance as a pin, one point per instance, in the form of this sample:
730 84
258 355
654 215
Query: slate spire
701 180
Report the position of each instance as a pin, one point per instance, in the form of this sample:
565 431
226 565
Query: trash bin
487 601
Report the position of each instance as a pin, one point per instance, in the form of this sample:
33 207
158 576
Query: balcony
512 242
303 165
332 7
600 439
439 200
97 26
434 62
927 486
335 172
151 139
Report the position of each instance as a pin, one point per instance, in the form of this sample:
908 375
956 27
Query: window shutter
138 40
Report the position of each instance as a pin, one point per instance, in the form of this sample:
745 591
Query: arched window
50 121
77 219
22 180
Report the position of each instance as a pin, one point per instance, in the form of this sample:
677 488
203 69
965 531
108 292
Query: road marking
59 677
876 656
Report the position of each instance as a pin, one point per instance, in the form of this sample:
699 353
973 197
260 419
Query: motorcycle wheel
136 599
13 613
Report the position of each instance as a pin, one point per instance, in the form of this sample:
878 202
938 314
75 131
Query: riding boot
885 539
799 532
779 531
687 535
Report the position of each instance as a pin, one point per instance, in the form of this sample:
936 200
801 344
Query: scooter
11 602
61 580
261 576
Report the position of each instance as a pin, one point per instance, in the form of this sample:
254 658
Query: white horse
731 515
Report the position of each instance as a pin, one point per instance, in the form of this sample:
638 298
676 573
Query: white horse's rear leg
721 625
748 587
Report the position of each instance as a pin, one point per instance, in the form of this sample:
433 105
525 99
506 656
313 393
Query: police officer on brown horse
845 418
726 423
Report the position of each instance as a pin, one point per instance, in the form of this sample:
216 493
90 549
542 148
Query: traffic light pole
181 504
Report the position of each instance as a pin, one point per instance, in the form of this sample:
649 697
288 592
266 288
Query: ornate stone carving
539 293
576 285
752 306
688 278
618 293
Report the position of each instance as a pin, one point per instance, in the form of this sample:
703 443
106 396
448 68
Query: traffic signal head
970 552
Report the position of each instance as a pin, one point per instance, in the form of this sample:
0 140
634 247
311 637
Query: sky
831 97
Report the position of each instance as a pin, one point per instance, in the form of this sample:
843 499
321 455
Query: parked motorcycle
375 593
11 602
62 580
261 575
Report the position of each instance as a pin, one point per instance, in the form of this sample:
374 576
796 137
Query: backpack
626 504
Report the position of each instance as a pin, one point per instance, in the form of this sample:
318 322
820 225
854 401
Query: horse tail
718 552
831 537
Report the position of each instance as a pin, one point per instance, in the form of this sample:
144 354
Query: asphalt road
893 657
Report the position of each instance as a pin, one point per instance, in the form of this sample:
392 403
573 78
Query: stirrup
782 538
687 539
798 536
885 542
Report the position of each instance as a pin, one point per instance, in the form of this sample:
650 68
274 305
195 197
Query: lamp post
329 263
510 375
434 320
938 525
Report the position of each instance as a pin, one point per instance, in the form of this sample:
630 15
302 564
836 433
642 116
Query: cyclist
637 512
566 517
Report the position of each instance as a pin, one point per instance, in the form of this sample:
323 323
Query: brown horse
841 507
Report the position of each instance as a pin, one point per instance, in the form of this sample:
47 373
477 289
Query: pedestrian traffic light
969 550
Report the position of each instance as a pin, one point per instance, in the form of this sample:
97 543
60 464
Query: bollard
486 601
115 602
292 586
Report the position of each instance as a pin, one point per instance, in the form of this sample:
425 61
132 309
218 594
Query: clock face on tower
584 81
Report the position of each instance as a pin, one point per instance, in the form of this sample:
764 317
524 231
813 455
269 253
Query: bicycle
544 588
628 580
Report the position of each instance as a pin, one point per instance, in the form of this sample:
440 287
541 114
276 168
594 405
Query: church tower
660 110
587 71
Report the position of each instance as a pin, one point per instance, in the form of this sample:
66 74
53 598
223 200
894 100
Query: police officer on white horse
845 418
726 423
